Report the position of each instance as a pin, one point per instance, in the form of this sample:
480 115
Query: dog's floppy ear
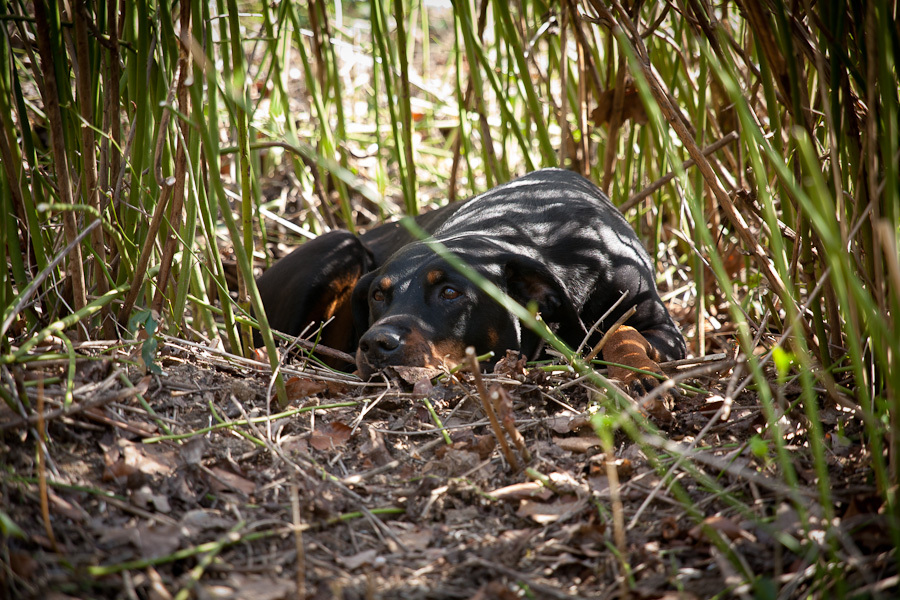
313 284
529 280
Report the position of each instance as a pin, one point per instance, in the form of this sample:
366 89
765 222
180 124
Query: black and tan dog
551 238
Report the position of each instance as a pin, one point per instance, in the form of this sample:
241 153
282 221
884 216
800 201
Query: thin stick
502 402
609 333
632 202
298 542
489 409
615 493
600 320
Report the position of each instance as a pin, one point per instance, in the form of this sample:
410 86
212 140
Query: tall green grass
165 122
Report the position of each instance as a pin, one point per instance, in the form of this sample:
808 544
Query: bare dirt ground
194 481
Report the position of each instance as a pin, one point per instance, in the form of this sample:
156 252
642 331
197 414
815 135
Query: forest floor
196 480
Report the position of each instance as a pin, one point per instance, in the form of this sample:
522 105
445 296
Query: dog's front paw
636 383
638 373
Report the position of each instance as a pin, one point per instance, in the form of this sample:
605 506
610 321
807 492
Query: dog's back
566 222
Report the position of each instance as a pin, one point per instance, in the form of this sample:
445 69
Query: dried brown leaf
482 445
330 435
303 387
423 387
521 491
453 462
227 480
412 375
512 365
568 422
238 587
415 538
148 499
632 107
577 444
727 527
544 512
154 541
366 557
494 590
200 520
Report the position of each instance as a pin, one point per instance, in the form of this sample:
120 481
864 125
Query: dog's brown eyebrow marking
493 336
434 276
385 283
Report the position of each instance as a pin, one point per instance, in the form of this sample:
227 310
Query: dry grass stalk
488 407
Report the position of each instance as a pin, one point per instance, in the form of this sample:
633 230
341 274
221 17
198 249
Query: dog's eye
450 293
378 296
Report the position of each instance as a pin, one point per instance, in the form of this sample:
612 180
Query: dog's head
417 310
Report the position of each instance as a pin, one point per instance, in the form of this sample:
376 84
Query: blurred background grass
157 155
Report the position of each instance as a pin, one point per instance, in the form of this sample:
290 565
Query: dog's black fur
314 283
550 237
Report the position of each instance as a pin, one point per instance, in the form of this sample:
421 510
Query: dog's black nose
379 343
